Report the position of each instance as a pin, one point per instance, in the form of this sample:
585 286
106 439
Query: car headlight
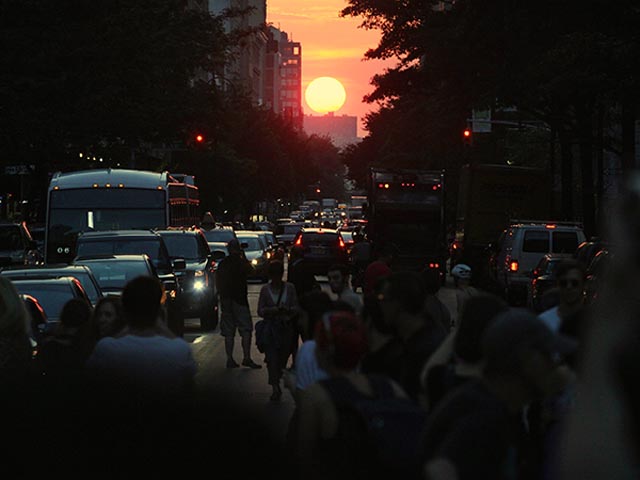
254 262
198 285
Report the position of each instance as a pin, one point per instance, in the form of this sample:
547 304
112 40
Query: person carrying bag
278 306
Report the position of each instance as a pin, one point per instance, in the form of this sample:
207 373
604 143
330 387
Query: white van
523 244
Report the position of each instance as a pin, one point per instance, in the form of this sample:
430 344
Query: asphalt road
243 386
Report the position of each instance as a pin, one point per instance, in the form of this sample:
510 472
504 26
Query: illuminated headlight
268 255
198 273
198 285
254 262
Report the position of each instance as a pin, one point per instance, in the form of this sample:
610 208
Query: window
536 241
565 242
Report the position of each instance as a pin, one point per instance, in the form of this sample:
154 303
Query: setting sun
325 94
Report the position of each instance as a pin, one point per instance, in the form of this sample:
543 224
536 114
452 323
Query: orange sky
331 46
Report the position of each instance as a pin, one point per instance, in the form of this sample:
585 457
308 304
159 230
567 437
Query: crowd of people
496 385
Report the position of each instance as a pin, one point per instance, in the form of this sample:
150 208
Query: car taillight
513 265
298 242
434 265
341 242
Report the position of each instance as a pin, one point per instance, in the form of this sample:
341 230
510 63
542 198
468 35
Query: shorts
234 316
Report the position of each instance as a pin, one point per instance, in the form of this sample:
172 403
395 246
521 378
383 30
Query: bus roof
129 178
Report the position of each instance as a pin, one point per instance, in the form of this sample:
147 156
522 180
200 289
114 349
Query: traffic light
467 136
199 138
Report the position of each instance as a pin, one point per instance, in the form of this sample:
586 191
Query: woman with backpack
333 437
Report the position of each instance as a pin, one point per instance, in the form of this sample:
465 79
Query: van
521 246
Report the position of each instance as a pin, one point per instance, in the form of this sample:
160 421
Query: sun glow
325 94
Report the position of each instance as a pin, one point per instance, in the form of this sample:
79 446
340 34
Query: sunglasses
572 282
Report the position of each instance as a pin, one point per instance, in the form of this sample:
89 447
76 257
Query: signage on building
19 169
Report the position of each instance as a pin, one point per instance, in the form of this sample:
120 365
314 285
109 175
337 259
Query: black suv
197 280
132 242
321 247
17 246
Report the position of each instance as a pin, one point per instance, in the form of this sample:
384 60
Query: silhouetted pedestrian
231 279
278 305
108 317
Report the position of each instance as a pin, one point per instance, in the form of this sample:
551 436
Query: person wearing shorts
231 278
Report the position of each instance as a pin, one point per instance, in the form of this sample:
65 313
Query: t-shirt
155 364
352 298
551 318
374 272
232 279
475 431
308 371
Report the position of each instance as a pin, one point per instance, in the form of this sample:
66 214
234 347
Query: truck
489 197
407 210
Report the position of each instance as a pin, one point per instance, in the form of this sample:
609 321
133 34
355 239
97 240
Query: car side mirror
179 264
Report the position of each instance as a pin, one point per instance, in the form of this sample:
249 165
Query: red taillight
341 242
550 226
434 265
298 242
513 265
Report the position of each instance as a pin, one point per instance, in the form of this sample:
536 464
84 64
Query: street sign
481 121
19 169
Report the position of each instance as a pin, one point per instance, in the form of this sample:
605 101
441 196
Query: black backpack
382 432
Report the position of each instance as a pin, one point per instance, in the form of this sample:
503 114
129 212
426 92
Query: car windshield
114 274
219 235
52 297
291 229
183 246
153 248
253 243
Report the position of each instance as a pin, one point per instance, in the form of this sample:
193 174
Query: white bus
114 199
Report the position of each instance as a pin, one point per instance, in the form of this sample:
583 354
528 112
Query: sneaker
250 363
231 363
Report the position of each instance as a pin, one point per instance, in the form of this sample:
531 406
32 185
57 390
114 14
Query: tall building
283 76
247 68
342 129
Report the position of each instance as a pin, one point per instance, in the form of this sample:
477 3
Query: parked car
38 320
17 246
543 279
321 247
136 242
288 232
587 250
81 272
52 294
197 280
221 235
256 250
596 273
523 244
113 272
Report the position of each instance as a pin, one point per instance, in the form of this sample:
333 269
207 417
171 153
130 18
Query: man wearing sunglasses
570 282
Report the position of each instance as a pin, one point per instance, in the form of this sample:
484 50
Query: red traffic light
199 138
466 133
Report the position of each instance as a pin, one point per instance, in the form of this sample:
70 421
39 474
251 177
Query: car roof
120 233
247 233
65 280
319 230
179 231
115 257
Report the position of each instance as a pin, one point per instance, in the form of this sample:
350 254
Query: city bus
114 199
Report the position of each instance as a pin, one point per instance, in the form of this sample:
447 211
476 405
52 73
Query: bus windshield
82 210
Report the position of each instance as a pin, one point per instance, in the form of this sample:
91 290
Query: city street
244 385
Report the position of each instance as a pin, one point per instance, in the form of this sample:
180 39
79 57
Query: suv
133 242
523 244
321 247
197 280
17 246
